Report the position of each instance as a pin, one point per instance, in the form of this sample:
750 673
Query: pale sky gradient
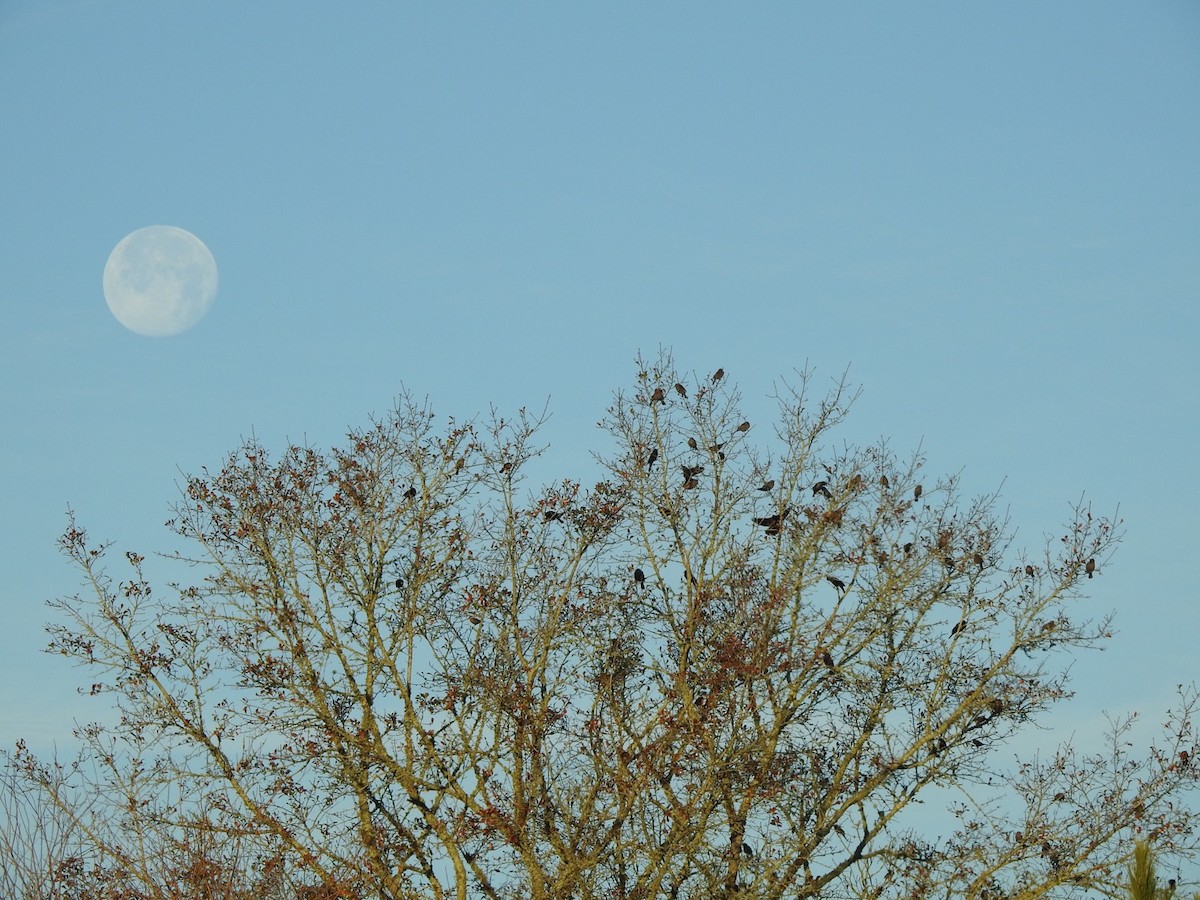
989 213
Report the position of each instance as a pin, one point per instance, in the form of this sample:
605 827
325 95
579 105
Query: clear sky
989 212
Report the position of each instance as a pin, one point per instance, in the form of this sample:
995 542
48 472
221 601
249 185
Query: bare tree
729 668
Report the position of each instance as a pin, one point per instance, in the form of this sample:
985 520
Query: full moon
160 280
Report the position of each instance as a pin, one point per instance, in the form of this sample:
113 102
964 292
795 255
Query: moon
160 280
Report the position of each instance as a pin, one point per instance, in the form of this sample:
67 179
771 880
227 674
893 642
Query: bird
772 521
692 443
399 584
917 492
474 619
718 375
744 427
651 458
977 558
690 484
411 493
715 448
883 481
908 548
690 472
747 850
680 390
957 628
551 515
658 396
827 658
836 582
1090 567
822 487
639 577
767 485
1030 571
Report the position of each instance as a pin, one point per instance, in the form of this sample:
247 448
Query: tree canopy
729 666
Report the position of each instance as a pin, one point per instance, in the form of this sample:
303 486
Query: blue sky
989 213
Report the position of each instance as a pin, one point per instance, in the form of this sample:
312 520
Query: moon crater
160 280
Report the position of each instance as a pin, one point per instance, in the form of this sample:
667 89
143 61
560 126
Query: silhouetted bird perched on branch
1090 568
767 485
718 375
692 443
744 427
1030 571
552 515
639 578
690 472
773 522
411 493
822 487
658 396
651 458
917 492
957 628
680 390
399 584
836 582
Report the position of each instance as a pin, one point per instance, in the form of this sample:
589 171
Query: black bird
692 443
411 493
659 396
552 515
917 492
836 582
747 850
744 427
772 521
651 458
690 472
827 658
639 577
822 487
680 390
957 628
1090 568
399 584
767 485
718 375
908 548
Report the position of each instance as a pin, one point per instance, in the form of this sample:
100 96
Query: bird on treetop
718 375
658 396
1090 567
651 458
917 492
745 426
822 487
639 577
692 443
680 390
836 582
767 485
